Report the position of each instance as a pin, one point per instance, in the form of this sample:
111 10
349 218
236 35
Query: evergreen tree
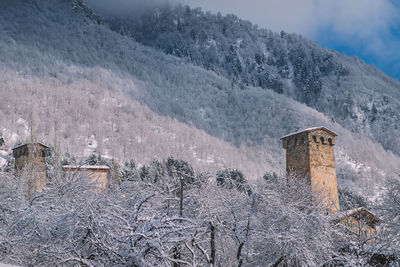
129 171
180 169
232 179
94 159
68 159
271 177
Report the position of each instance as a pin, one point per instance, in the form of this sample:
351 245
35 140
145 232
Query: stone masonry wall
310 155
30 166
297 156
323 168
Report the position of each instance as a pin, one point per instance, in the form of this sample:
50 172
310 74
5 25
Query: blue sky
369 29
386 57
379 46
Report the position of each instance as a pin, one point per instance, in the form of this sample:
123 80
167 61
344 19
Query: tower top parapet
30 149
318 135
311 130
30 144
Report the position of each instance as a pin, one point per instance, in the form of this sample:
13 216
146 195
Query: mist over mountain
213 90
122 8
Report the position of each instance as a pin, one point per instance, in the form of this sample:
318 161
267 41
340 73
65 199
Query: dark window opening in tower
315 139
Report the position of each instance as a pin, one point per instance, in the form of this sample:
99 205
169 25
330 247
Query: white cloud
364 25
123 7
308 16
305 17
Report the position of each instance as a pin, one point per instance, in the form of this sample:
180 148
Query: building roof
38 143
311 130
86 167
357 213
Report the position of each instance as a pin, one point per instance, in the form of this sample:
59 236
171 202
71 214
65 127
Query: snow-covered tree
390 212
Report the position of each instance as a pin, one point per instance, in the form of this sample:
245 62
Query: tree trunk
181 199
212 244
239 255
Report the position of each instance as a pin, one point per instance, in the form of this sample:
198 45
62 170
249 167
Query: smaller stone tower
30 166
310 155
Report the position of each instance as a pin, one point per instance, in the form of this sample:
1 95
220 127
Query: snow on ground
345 158
10 137
91 146
23 123
3 158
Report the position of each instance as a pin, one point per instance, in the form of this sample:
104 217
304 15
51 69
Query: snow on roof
7 265
37 143
349 213
311 129
86 167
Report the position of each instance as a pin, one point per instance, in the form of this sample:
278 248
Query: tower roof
358 213
23 145
311 130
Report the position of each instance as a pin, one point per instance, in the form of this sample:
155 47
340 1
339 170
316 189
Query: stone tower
30 166
310 155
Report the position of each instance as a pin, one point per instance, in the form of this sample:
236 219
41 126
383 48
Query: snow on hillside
356 95
90 89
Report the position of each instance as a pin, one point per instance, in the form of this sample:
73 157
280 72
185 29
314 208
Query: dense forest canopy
186 108
356 95
89 88
88 85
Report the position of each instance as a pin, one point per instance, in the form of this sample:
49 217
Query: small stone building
30 166
97 174
360 223
310 155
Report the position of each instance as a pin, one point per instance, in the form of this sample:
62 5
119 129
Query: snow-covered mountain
356 95
83 84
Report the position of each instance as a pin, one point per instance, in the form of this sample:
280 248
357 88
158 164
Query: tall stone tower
310 155
30 166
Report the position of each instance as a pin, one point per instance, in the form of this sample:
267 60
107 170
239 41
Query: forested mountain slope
357 95
86 87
